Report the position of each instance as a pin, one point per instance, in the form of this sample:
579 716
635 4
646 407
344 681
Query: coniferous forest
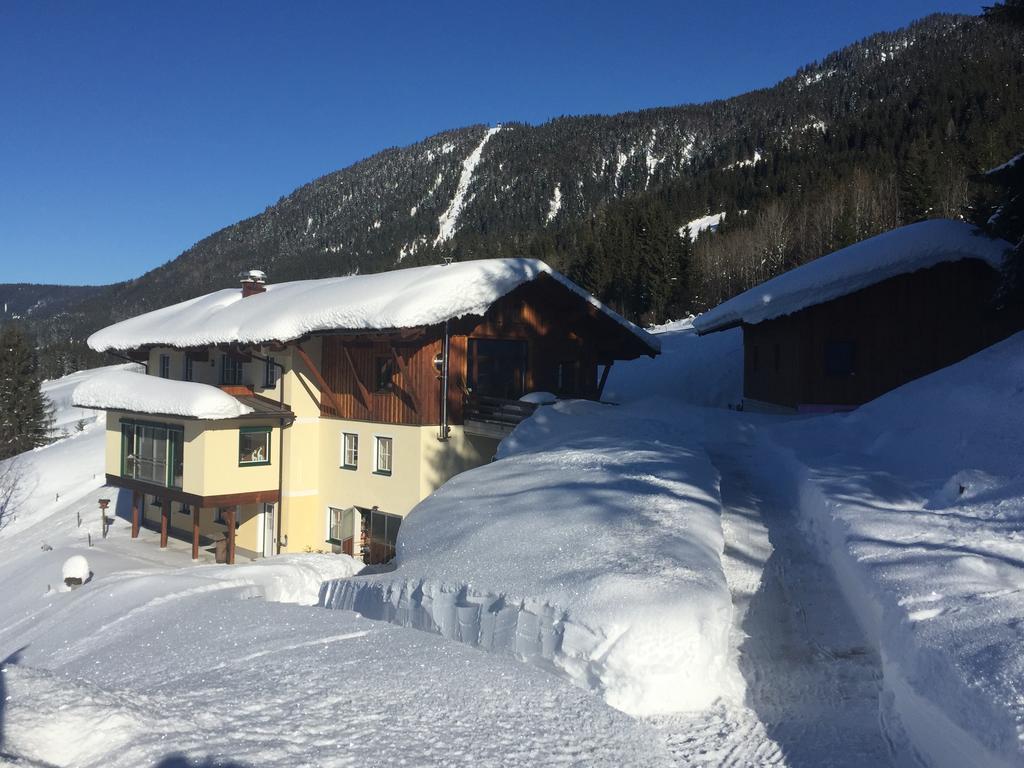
896 128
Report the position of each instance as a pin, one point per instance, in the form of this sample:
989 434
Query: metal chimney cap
253 276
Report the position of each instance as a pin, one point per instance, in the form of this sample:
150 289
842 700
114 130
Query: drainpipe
443 436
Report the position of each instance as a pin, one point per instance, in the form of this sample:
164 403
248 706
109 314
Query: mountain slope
906 115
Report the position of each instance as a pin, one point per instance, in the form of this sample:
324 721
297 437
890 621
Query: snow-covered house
843 329
316 414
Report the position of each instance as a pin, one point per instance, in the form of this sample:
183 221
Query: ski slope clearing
592 547
917 500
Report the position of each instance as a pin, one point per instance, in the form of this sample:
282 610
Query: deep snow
141 393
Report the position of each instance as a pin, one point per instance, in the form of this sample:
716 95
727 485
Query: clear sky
128 131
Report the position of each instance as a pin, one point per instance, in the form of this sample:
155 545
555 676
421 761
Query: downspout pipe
443 436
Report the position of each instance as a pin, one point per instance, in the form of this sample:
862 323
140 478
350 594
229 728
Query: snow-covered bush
75 570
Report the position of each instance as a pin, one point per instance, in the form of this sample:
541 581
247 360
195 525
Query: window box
254 446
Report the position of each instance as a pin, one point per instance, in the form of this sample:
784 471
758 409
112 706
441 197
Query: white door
268 530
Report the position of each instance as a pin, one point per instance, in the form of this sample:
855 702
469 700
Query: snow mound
75 567
402 298
139 393
897 252
592 547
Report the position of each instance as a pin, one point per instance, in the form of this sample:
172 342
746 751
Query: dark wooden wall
902 328
557 325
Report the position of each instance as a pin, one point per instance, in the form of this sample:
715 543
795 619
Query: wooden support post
195 533
400 363
165 520
361 390
604 379
325 391
229 514
136 514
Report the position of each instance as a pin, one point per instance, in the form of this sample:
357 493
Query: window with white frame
384 455
349 450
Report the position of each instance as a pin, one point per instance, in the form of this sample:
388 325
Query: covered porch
208 518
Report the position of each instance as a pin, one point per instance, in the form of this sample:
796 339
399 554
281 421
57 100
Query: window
379 533
385 374
186 368
840 358
270 373
341 527
384 455
230 370
152 453
349 450
253 446
497 367
186 509
165 366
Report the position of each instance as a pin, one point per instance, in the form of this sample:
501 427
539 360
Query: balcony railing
495 416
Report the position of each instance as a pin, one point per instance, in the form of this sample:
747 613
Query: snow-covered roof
897 252
138 393
403 298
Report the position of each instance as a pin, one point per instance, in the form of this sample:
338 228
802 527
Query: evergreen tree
1009 12
25 415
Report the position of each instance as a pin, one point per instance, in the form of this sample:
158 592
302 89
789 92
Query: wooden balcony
494 416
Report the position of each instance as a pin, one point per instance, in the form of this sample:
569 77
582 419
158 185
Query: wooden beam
165 518
195 533
325 390
270 495
405 379
363 392
229 514
604 379
136 522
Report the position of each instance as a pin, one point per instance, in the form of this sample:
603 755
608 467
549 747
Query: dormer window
230 370
165 366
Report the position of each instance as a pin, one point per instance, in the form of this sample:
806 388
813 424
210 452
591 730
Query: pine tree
25 415
1009 12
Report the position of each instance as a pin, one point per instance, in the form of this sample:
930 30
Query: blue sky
128 131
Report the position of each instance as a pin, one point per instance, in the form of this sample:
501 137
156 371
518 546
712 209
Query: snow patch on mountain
701 223
448 221
556 203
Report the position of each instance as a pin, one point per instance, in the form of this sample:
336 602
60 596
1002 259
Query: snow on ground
917 500
142 393
701 223
555 205
691 369
448 221
591 547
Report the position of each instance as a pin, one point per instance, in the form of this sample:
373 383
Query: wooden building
351 399
852 325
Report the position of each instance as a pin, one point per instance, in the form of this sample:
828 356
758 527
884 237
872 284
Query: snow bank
897 252
402 298
700 370
140 393
591 547
917 499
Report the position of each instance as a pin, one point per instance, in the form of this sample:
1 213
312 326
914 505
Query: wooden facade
850 350
392 377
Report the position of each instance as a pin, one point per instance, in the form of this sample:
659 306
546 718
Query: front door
268 530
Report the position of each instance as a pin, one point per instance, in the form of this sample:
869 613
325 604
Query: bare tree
10 491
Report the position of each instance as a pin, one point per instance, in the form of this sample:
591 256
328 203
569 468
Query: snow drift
917 500
592 547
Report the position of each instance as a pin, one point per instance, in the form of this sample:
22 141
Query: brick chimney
253 281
